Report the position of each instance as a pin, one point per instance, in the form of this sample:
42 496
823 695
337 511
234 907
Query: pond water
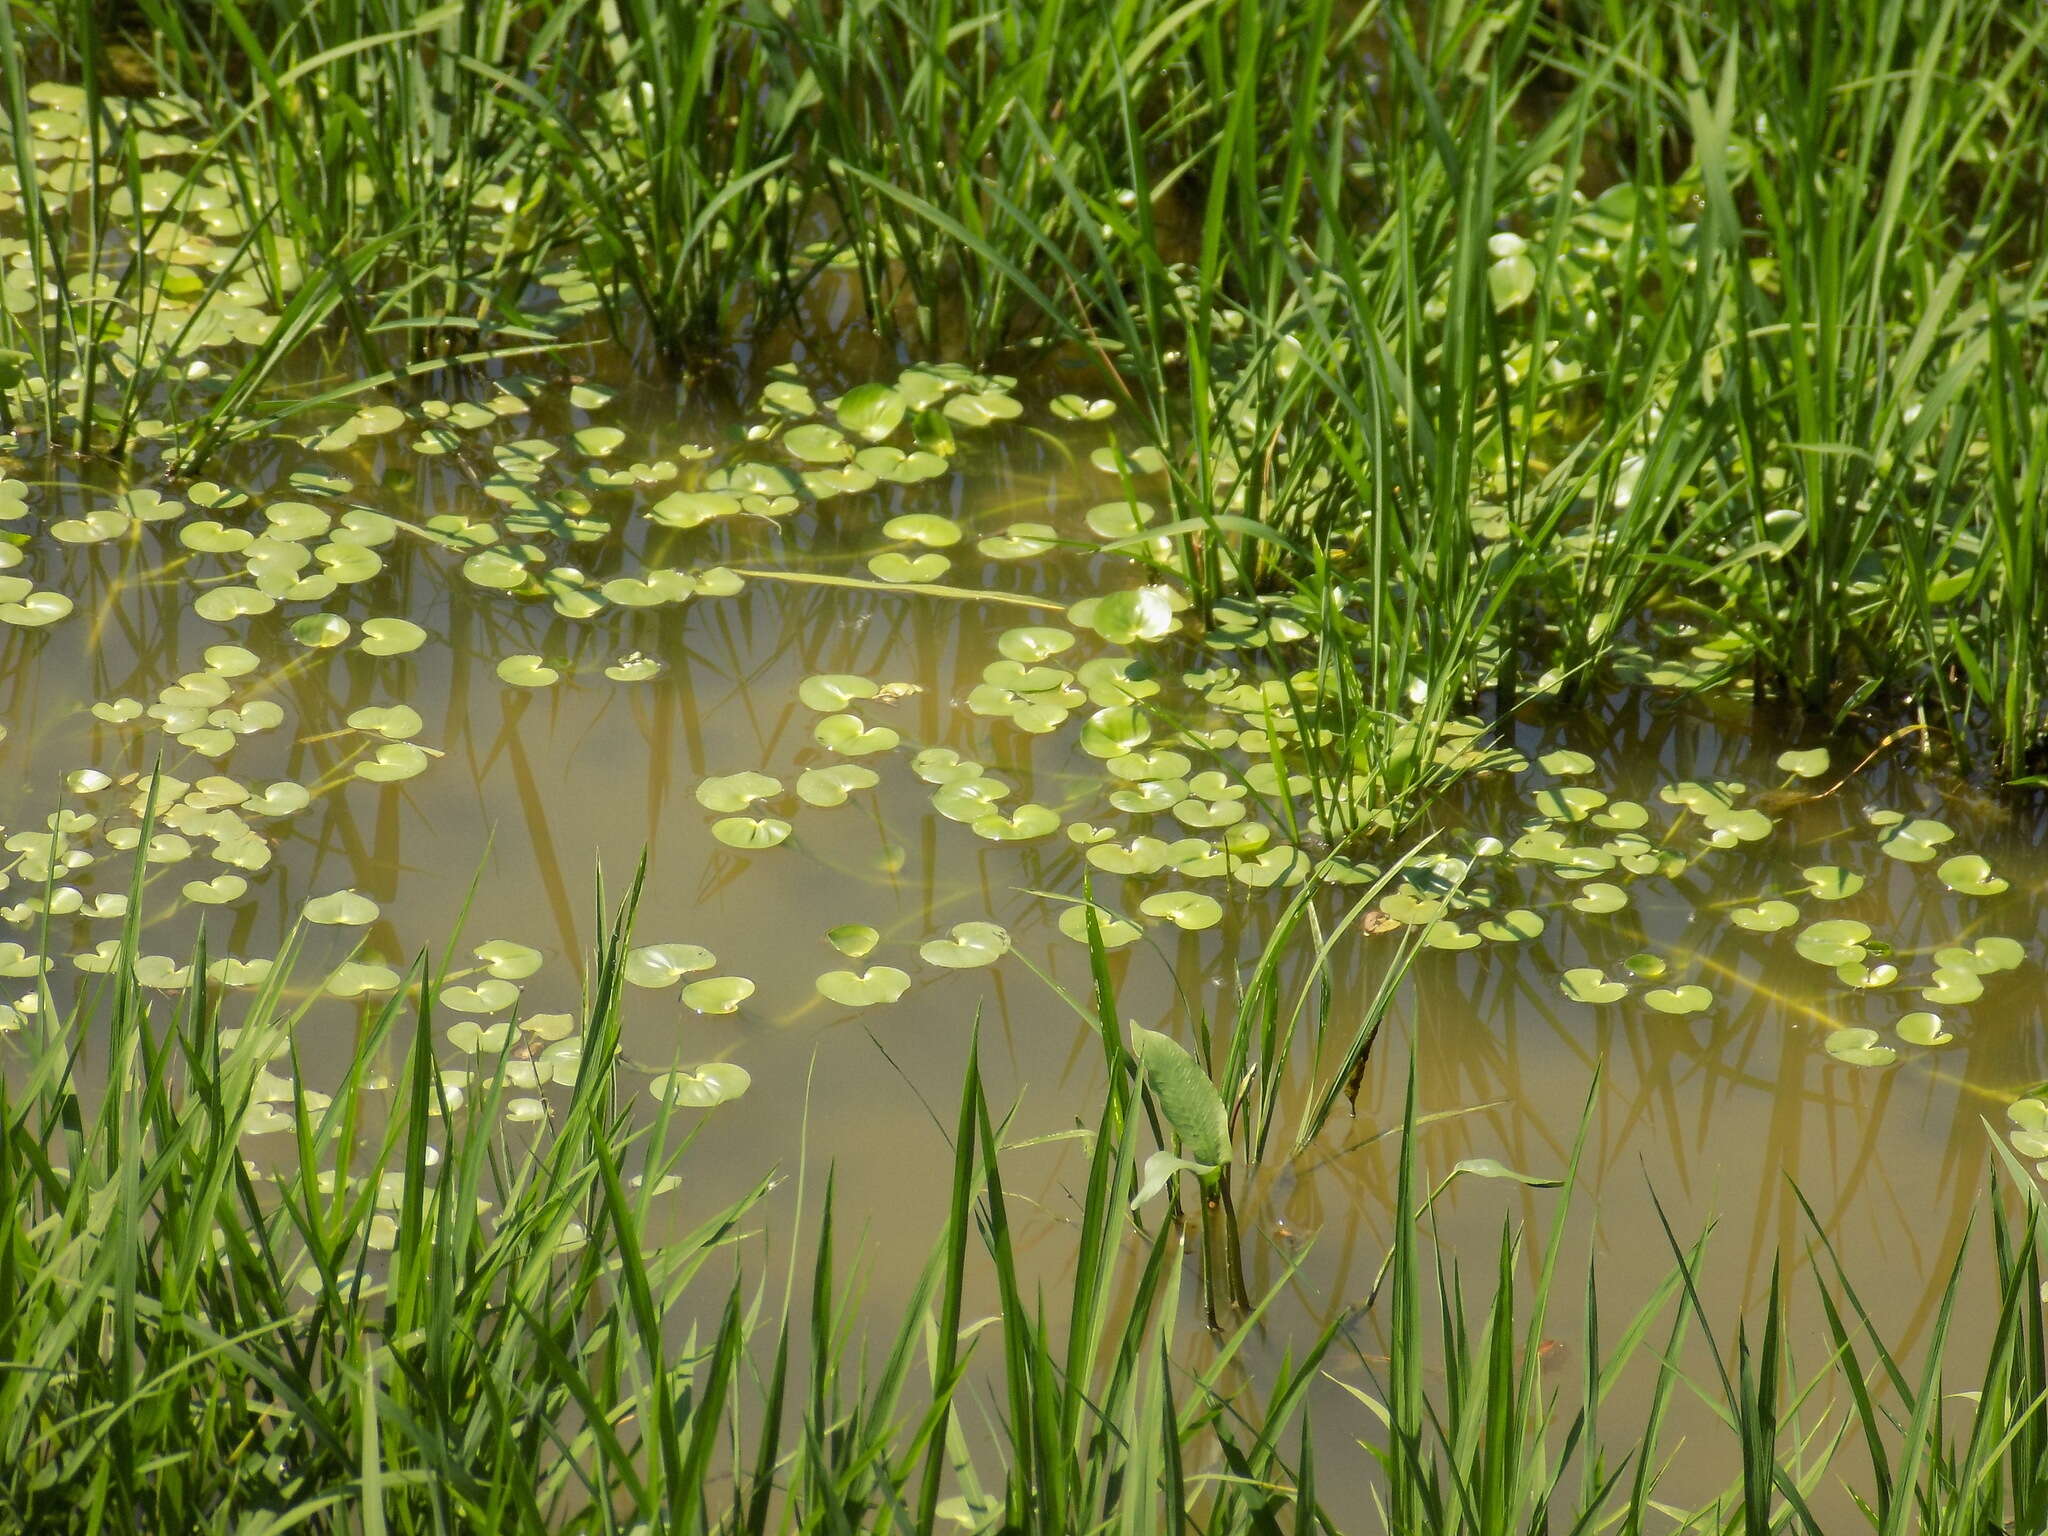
1630 891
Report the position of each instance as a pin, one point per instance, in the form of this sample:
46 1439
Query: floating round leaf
851 736
1860 1048
830 786
218 891
392 763
894 566
1968 874
816 443
1026 822
1584 984
853 939
1915 841
1020 541
870 411
1952 986
1032 644
1923 1028
736 791
390 637
750 832
1810 764
348 907
1517 926
663 965
1688 999
508 961
972 944
714 1083
1765 916
717 994
527 671
1565 764
830 692
1597 896
1830 883
1833 941
1190 910
924 528
877 984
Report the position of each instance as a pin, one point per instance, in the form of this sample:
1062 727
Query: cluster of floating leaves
1200 777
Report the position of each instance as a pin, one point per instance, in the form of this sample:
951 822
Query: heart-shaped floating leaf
507 960
895 566
972 944
634 667
1513 927
352 978
1989 955
392 762
1026 822
1833 941
474 1039
1860 1048
1116 931
1622 816
714 1083
487 996
1915 841
853 939
394 722
1565 764
1020 541
926 528
1765 916
1923 1028
826 787
1598 896
320 631
717 994
1124 618
1830 883
663 965
736 791
1968 874
1494 1168
851 736
750 832
1445 934
218 891
1810 764
1190 910
527 671
1953 985
830 692
1681 1000
1868 977
348 908
877 984
870 411
390 637
1185 1096
1569 803
1584 984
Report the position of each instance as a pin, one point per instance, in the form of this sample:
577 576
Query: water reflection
1736 1116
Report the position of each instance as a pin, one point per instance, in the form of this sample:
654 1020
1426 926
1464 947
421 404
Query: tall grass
405 1318
1503 348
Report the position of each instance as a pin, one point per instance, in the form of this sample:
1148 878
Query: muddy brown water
1732 1117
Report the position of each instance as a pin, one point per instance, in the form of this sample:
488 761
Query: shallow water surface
1650 978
